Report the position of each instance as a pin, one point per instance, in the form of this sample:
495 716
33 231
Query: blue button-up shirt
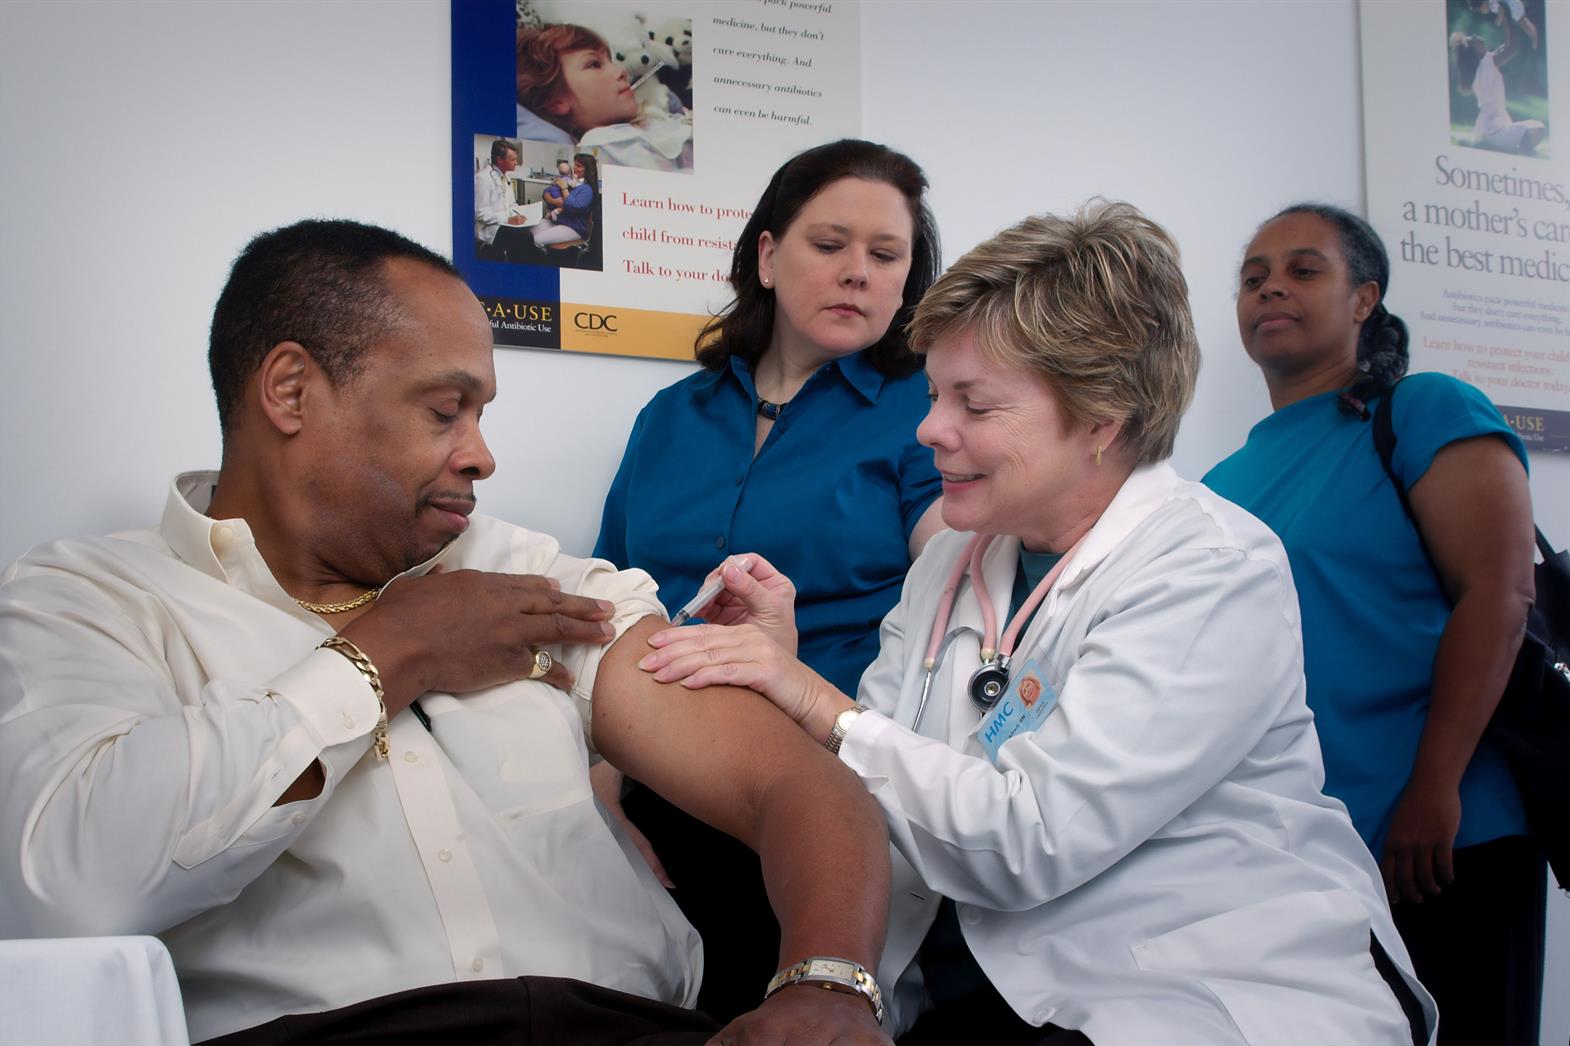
830 499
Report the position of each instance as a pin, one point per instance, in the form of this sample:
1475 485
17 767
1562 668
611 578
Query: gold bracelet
363 664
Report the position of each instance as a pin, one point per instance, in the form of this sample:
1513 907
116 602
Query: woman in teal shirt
1404 668
797 440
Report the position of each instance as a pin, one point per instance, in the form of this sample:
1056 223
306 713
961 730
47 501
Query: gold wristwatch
835 975
840 728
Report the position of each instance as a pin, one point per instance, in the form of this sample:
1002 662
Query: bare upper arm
1474 509
715 752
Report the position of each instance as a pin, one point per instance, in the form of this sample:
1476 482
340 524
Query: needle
707 593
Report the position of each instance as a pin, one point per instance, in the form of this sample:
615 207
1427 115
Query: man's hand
463 630
1417 861
516 219
805 1013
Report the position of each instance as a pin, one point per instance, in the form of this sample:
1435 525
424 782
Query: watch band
840 728
835 975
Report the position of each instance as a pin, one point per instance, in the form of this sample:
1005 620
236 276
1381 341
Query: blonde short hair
1096 303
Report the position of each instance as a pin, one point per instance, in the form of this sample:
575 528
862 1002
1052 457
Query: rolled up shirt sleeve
633 593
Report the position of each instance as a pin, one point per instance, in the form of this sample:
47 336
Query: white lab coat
493 202
1156 863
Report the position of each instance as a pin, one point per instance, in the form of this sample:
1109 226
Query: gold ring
542 664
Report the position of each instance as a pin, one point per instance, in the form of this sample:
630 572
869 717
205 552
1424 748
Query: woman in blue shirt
577 209
797 440
1404 668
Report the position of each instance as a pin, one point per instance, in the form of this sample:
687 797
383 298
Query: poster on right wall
1472 194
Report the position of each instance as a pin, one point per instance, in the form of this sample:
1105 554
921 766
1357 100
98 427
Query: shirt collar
225 549
856 369
862 375
185 527
737 368
1146 487
1308 405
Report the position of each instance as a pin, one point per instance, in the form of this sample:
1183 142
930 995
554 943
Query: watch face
832 967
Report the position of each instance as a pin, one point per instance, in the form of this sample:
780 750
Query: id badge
1022 709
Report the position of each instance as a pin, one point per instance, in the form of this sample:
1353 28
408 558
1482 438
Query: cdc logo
595 321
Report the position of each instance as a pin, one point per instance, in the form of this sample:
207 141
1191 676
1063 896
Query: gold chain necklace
338 608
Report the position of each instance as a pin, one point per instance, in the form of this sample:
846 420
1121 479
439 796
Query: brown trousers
535 1010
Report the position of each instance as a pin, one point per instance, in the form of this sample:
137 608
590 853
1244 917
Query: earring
765 281
1098 453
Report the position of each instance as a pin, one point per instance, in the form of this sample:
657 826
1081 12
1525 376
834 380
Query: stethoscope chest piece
988 683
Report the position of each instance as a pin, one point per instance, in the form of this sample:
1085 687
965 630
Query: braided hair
1382 345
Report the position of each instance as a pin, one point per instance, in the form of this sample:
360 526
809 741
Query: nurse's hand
742 655
757 594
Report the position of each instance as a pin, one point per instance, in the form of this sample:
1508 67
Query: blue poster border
483 88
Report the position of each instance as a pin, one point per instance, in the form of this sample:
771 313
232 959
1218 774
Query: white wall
142 144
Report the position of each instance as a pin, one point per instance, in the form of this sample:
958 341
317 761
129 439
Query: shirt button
477 965
740 480
348 720
444 855
411 757
297 820
719 542
969 916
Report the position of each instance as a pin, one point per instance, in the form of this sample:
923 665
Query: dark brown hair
745 327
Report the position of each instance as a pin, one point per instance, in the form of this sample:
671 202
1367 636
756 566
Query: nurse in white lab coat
1131 845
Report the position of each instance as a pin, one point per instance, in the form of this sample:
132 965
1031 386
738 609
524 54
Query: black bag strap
1385 443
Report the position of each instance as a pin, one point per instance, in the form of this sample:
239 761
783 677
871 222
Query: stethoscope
988 682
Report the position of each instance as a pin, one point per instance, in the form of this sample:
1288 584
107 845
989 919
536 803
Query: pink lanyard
989 681
971 562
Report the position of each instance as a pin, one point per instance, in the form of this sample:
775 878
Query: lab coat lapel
1146 487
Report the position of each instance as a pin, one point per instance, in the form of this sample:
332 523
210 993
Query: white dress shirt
1156 863
493 201
159 691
